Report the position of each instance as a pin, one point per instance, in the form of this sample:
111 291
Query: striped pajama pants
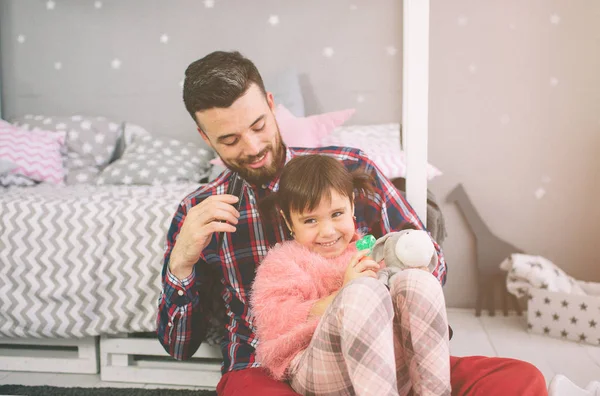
373 341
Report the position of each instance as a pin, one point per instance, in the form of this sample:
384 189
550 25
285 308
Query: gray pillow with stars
154 161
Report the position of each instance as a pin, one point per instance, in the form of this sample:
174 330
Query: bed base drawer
50 355
135 358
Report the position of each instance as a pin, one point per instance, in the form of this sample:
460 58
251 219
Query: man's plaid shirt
183 306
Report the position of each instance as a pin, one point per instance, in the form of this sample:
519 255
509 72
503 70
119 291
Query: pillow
286 90
157 161
305 131
91 142
381 142
37 154
128 133
308 131
12 179
6 166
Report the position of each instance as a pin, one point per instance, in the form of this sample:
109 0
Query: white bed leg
415 97
127 358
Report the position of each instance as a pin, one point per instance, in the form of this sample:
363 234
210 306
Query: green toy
366 243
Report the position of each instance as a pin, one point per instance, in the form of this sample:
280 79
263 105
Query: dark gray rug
58 391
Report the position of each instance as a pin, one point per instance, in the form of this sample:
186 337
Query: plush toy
401 250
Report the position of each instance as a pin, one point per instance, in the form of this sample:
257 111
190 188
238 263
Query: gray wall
146 88
514 92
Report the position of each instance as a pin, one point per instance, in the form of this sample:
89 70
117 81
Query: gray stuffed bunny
403 250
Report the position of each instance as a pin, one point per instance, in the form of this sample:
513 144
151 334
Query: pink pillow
305 131
37 153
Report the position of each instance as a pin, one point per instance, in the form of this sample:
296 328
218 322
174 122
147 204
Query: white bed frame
130 359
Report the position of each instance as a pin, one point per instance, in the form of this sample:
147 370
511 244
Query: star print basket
566 316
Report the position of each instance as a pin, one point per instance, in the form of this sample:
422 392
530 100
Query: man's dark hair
218 80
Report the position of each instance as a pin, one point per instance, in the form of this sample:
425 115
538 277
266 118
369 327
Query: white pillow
381 142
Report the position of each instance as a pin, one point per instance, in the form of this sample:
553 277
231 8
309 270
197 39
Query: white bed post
415 97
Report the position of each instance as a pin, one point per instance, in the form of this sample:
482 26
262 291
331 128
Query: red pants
473 376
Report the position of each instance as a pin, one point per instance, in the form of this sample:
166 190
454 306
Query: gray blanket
83 260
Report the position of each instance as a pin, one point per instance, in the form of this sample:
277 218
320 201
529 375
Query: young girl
324 322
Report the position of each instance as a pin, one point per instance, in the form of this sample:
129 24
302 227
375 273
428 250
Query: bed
81 245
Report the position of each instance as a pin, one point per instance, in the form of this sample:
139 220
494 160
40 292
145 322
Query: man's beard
265 174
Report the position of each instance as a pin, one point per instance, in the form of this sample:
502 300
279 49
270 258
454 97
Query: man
225 95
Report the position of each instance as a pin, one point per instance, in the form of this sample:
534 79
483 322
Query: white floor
490 336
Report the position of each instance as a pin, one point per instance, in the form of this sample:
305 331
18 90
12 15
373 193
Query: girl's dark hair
306 179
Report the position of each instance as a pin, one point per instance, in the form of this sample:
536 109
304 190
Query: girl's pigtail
363 182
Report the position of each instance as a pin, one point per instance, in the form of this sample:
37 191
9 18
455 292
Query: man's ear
205 137
271 101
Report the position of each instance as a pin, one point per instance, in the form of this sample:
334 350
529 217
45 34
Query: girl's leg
351 351
420 334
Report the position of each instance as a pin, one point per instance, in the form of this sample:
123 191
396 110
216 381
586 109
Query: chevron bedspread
82 260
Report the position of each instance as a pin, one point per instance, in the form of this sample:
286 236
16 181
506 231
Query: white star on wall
472 68
21 38
97 4
115 64
209 3
539 193
553 82
555 19
274 20
164 39
391 50
512 26
546 179
328 52
505 119
353 7
57 65
50 5
360 99
462 20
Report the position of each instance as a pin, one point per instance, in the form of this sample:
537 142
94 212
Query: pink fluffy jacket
288 282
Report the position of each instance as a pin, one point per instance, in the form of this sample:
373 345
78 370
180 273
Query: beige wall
515 106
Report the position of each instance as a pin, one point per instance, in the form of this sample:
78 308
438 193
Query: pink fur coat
288 282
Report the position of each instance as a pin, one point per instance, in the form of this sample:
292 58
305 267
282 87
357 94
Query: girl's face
328 229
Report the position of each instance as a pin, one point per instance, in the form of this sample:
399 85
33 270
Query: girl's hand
359 267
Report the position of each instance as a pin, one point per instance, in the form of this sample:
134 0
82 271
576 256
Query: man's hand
214 214
359 267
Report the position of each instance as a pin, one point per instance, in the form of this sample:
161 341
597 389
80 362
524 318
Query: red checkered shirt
183 308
